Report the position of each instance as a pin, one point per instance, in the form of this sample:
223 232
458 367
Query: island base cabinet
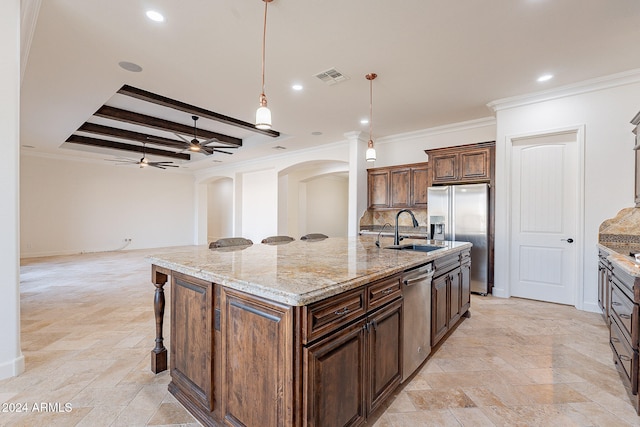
335 379
191 358
350 373
257 348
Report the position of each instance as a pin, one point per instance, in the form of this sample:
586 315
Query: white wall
327 205
220 209
409 147
608 165
70 206
259 204
11 359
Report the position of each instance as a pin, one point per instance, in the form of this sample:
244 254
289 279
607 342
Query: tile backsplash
372 218
623 229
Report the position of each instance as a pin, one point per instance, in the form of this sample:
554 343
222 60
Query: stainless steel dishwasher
416 330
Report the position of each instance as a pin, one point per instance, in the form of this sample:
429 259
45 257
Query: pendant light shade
263 114
371 152
370 155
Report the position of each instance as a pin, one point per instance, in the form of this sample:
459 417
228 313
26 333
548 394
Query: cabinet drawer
624 357
382 292
329 314
622 310
446 264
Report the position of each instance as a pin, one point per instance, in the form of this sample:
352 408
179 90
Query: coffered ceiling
438 62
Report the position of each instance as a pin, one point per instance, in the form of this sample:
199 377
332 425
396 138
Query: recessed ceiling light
155 16
28 146
296 87
364 121
316 133
130 66
545 77
279 147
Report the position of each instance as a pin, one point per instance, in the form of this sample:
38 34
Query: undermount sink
414 247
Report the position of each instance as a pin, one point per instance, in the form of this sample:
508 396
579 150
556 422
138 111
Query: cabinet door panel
191 338
400 188
474 165
455 292
419 186
385 334
379 189
335 379
439 309
444 167
465 287
257 347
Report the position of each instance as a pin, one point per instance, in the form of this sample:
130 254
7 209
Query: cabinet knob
569 240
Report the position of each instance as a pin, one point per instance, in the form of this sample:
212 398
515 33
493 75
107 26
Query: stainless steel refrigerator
462 213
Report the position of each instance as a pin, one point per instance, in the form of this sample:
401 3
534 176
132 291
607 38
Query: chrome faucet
396 236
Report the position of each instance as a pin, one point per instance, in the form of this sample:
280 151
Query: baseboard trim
12 368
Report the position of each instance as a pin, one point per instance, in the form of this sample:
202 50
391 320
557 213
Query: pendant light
371 151
263 114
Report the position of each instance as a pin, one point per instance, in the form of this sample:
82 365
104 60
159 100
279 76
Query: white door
544 209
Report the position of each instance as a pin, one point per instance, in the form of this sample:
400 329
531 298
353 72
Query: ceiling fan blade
182 138
222 146
221 151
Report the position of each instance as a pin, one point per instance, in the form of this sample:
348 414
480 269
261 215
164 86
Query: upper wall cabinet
398 187
462 164
636 123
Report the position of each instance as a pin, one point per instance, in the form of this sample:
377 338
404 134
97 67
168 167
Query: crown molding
586 86
439 130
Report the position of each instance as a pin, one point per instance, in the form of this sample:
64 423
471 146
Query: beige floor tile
514 362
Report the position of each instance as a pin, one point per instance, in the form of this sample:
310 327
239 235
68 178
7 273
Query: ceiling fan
143 162
196 146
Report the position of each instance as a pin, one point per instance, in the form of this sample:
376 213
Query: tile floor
88 328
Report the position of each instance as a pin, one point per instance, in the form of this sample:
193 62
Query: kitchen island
307 333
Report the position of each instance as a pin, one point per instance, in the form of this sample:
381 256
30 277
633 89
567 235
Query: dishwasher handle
421 278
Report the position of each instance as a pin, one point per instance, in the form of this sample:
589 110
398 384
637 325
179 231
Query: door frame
579 131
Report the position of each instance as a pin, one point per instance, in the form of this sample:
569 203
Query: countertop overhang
621 256
301 272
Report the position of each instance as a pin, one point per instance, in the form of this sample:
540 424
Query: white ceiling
438 61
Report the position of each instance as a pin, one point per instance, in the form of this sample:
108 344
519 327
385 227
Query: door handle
569 240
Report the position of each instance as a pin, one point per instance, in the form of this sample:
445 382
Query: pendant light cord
370 108
264 38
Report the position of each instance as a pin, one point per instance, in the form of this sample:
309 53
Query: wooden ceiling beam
121 115
192 109
131 135
103 143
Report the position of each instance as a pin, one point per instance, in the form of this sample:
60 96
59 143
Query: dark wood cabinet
384 344
450 293
420 182
624 299
462 164
439 309
351 370
398 187
191 357
257 377
335 379
604 288
378 184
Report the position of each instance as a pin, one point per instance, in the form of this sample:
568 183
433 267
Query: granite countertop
620 254
403 230
300 272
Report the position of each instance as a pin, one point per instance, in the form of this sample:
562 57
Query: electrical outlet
127 240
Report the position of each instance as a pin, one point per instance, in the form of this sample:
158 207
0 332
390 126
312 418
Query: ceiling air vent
332 76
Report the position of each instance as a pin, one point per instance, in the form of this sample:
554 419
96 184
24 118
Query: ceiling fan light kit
263 114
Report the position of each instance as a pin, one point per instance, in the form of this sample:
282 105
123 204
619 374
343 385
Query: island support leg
159 278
